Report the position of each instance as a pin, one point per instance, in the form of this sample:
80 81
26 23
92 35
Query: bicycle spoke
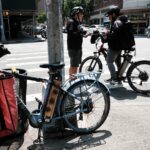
92 109
139 77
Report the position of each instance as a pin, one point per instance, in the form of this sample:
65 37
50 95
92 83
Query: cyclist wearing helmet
119 38
74 39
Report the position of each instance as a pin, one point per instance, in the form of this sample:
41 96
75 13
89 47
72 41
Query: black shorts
75 57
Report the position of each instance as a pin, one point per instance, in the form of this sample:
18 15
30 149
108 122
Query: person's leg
75 60
72 70
111 57
118 61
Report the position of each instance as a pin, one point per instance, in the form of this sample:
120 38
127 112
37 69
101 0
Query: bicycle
83 104
136 73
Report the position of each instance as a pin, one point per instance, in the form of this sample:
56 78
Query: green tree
41 17
69 4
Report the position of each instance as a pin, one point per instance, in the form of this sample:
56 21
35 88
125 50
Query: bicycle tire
138 76
89 109
88 62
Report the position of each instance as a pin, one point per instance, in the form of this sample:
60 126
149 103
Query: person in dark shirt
119 38
75 36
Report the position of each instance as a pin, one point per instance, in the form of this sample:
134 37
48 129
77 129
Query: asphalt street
127 126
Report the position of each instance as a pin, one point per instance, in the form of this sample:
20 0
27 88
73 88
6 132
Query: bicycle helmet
76 10
113 9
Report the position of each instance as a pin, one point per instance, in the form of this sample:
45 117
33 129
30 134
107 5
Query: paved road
127 126
29 56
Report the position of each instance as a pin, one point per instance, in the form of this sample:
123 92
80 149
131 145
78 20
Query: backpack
12 120
127 34
121 35
8 107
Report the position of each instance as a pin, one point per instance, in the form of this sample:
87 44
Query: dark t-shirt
74 36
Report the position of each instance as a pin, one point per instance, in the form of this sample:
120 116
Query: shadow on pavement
12 143
70 140
122 93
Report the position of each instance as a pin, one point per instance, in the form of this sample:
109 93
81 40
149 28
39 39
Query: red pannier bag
8 107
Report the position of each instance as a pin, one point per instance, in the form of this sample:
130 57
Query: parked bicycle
136 73
82 104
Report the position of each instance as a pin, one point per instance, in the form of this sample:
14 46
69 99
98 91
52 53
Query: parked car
96 27
39 28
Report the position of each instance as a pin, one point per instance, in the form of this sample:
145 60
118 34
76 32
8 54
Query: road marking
26 63
24 54
31 97
25 58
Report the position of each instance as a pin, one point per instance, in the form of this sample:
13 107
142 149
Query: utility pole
54 31
3 39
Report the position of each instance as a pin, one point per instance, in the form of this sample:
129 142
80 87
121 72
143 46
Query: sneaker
113 81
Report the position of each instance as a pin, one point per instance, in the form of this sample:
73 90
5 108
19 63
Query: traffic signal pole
54 31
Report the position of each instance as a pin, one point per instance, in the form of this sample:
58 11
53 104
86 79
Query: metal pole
3 39
54 32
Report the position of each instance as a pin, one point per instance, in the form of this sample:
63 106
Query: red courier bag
8 107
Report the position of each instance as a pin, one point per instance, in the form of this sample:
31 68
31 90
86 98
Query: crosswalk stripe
26 63
25 54
26 58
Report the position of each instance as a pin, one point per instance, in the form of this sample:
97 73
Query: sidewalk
126 128
25 39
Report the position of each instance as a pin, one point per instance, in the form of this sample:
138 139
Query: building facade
41 6
100 8
15 14
139 14
137 10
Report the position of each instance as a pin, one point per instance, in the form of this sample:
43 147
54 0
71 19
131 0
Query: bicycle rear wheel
138 77
86 107
89 64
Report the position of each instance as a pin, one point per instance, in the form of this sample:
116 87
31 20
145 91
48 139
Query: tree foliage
69 4
41 17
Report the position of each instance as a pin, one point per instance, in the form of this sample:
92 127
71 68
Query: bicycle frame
37 118
126 58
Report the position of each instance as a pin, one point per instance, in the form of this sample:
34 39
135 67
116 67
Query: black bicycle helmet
113 9
76 10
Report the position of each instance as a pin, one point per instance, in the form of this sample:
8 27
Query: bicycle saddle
53 66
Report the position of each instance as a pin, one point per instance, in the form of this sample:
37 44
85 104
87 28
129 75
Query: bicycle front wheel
89 64
86 106
138 77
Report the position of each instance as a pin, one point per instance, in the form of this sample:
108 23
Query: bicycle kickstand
38 143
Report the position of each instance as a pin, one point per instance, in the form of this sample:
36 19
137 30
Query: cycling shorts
75 57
